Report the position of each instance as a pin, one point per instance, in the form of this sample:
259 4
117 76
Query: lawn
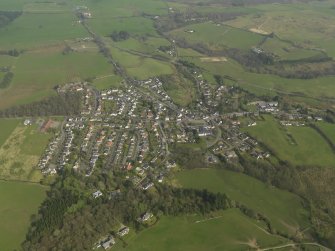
18 202
297 145
284 209
231 231
7 127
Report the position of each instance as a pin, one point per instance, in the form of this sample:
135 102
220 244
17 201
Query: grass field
32 30
7 127
297 145
289 22
232 231
18 202
140 67
328 129
284 209
217 37
21 151
37 73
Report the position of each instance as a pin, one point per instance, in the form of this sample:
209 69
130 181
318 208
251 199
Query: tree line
60 105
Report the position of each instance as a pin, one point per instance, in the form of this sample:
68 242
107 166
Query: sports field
18 202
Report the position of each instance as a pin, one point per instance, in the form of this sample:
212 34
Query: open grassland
140 67
37 73
289 21
328 129
283 209
18 202
32 30
287 51
20 153
106 9
105 25
218 36
7 126
297 145
149 46
230 231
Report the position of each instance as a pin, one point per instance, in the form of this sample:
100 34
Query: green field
37 73
297 145
217 37
231 231
7 127
328 129
284 209
21 151
32 30
18 202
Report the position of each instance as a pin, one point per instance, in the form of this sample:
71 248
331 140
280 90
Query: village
131 129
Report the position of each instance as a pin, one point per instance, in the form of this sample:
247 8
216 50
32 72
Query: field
37 73
289 21
284 209
7 127
18 202
328 129
297 145
217 37
230 231
21 151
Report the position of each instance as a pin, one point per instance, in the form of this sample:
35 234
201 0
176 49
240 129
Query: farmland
236 232
297 145
21 150
18 202
284 209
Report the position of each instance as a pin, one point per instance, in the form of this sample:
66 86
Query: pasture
140 67
289 21
297 145
37 73
230 231
328 129
218 36
18 202
32 30
21 151
7 127
283 209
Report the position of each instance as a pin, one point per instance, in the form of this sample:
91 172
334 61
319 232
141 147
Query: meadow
283 209
289 21
297 145
218 36
18 202
37 73
328 129
230 231
21 151
7 127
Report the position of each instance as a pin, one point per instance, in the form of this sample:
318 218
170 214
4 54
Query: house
97 194
108 243
27 122
123 231
146 216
